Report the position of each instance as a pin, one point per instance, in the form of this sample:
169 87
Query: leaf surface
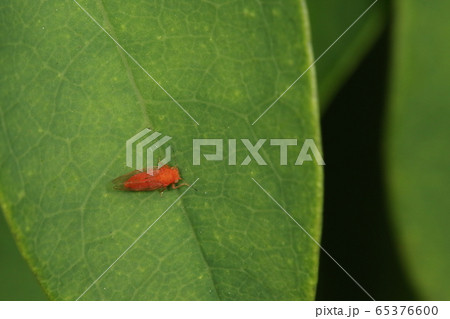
418 143
70 100
329 20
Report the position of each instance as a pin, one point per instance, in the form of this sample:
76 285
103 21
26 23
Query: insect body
155 179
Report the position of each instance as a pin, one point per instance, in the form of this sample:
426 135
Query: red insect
156 179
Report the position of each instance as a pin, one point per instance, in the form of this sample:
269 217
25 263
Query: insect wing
125 177
118 183
148 183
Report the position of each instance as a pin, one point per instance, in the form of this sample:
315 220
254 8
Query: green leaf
16 280
418 146
70 100
329 19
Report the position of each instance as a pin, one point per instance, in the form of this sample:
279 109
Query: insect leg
178 186
161 191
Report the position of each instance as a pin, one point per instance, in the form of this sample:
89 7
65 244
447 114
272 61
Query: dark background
356 227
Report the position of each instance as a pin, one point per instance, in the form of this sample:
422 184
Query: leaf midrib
148 123
124 59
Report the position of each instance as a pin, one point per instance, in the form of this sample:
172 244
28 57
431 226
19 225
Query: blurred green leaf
71 98
329 19
418 142
16 280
